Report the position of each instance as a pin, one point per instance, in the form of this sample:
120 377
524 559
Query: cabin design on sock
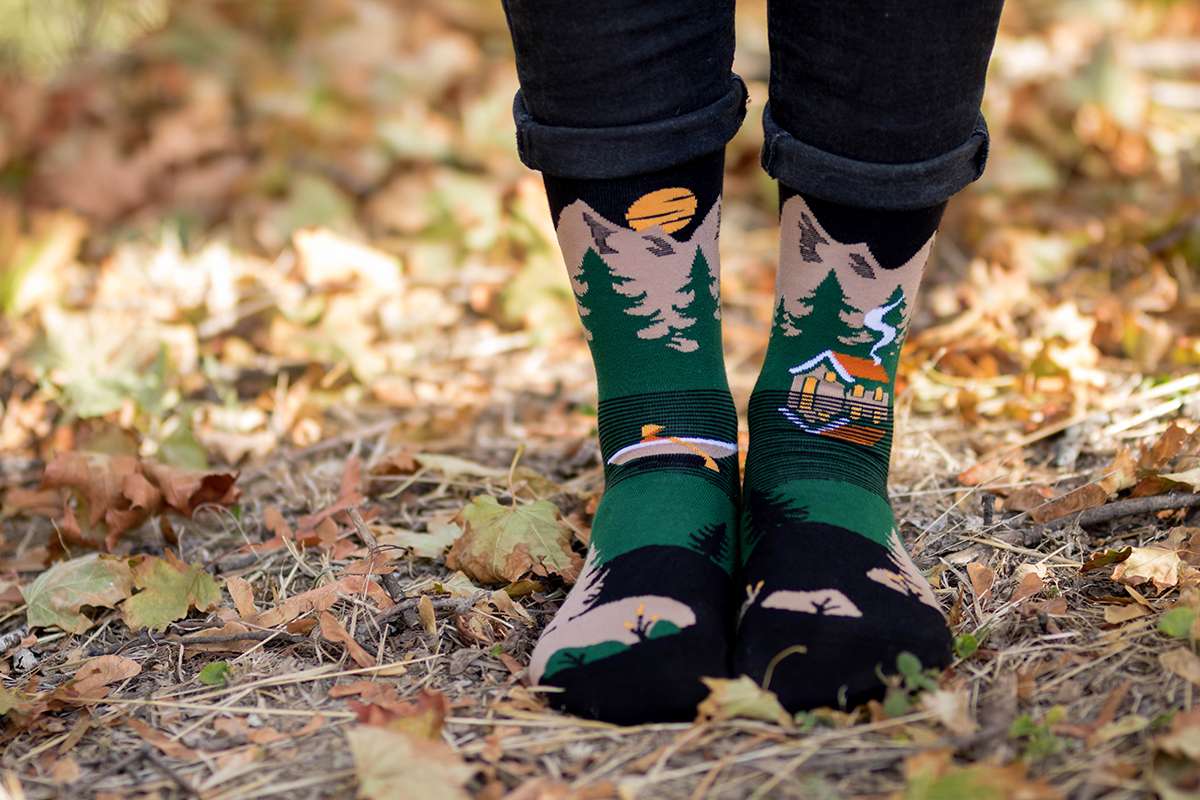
841 396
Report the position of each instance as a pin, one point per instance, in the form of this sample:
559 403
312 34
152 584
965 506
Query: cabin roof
847 366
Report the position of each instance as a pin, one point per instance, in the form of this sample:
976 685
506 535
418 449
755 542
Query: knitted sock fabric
831 596
652 611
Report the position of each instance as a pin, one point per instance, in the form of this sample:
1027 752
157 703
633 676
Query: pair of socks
797 576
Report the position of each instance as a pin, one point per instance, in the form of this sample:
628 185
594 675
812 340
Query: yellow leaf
396 766
741 697
1158 565
427 615
502 544
1117 614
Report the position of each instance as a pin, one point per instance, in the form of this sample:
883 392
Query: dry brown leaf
1030 585
65 770
332 631
1120 474
1157 565
243 596
982 577
94 676
952 708
423 716
1182 662
398 766
1115 615
426 613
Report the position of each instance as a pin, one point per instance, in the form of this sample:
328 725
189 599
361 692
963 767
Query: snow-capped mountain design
653 268
808 252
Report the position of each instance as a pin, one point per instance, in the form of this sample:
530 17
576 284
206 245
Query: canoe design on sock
640 280
653 443
906 578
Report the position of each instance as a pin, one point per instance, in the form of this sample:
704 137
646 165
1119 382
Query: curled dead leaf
730 698
1157 565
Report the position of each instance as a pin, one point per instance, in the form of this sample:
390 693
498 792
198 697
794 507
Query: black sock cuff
612 197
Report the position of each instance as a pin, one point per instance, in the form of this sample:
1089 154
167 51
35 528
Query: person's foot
652 612
831 597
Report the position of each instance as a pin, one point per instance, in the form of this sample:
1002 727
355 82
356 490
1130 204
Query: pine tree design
785 321
713 542
771 513
828 315
705 290
601 306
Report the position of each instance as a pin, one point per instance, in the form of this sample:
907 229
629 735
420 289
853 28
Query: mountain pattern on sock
652 611
831 596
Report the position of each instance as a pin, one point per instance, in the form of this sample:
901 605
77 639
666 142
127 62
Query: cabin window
810 385
830 376
858 390
878 393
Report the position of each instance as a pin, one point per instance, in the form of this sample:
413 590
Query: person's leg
626 107
873 122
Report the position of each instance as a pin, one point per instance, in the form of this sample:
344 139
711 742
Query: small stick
171 774
390 581
13 638
1129 507
246 636
460 605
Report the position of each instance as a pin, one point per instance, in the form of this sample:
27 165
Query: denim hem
619 152
919 184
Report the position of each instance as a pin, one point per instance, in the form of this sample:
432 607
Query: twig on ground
1129 507
390 581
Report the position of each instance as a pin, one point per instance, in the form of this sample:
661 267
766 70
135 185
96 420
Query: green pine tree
603 309
712 541
828 320
785 321
704 305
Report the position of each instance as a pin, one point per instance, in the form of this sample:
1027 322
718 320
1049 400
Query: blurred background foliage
233 226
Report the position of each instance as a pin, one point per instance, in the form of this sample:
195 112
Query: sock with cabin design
831 597
652 612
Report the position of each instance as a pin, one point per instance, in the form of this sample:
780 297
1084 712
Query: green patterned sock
652 612
831 597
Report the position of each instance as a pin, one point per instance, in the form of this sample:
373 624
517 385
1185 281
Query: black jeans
871 101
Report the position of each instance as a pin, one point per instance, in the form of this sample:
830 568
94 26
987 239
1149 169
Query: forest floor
282 312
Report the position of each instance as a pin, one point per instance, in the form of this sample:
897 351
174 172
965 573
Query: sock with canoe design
652 610
831 597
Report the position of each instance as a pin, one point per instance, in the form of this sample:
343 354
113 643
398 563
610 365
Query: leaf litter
278 355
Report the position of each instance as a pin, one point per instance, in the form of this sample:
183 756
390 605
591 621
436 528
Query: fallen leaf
426 613
1189 478
1131 723
1182 662
982 577
215 673
397 766
952 708
1183 740
169 589
1157 565
186 490
243 596
432 544
1114 615
1030 585
65 770
56 596
333 631
423 717
96 674
1120 474
933 775
730 698
1104 558
501 544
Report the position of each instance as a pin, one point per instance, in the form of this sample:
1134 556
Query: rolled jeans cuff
826 176
621 151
